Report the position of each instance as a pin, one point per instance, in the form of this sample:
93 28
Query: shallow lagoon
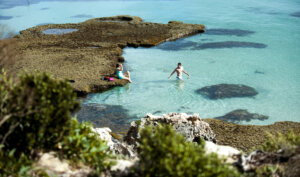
255 43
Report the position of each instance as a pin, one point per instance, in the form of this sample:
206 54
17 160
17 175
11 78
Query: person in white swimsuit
126 76
179 70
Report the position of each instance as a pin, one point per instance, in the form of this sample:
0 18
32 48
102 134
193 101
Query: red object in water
111 79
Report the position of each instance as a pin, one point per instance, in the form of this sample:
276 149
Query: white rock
221 150
227 152
55 167
49 161
116 146
104 134
121 165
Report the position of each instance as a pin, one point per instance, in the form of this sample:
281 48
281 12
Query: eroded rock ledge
84 52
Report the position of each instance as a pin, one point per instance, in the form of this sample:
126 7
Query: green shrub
35 113
269 170
82 145
9 164
35 116
280 141
163 152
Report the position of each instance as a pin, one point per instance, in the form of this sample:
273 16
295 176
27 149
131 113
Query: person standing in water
120 74
179 70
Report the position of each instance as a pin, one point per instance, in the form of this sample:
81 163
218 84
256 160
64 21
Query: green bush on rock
35 112
82 145
163 152
280 141
35 116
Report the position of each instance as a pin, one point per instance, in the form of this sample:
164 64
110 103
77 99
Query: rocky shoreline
245 137
236 144
85 52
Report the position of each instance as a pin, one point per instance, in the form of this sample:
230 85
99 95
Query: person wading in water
179 70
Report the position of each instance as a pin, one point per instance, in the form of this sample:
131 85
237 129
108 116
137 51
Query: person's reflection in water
179 84
121 91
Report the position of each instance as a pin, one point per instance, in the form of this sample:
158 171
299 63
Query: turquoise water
262 51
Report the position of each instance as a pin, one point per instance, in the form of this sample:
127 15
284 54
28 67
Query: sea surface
254 42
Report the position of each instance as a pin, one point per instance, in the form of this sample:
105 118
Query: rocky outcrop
241 115
115 145
54 166
190 126
245 137
286 162
227 91
230 154
122 167
84 52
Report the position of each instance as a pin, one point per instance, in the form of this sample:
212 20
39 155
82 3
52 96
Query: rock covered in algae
239 115
84 52
245 137
221 91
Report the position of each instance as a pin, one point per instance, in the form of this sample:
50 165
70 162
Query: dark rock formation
178 45
286 161
259 72
241 115
113 116
292 167
190 126
227 91
82 16
296 14
2 17
228 32
229 44
93 51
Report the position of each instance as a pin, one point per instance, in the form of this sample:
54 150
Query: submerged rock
241 115
190 126
177 45
229 44
86 55
227 91
101 115
296 14
229 32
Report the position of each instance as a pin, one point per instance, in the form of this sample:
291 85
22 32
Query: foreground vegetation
163 152
35 117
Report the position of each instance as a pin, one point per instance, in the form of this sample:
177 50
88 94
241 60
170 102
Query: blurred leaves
163 152
35 116
279 141
83 145
35 113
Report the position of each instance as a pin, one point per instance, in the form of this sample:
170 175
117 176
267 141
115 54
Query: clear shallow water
266 59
